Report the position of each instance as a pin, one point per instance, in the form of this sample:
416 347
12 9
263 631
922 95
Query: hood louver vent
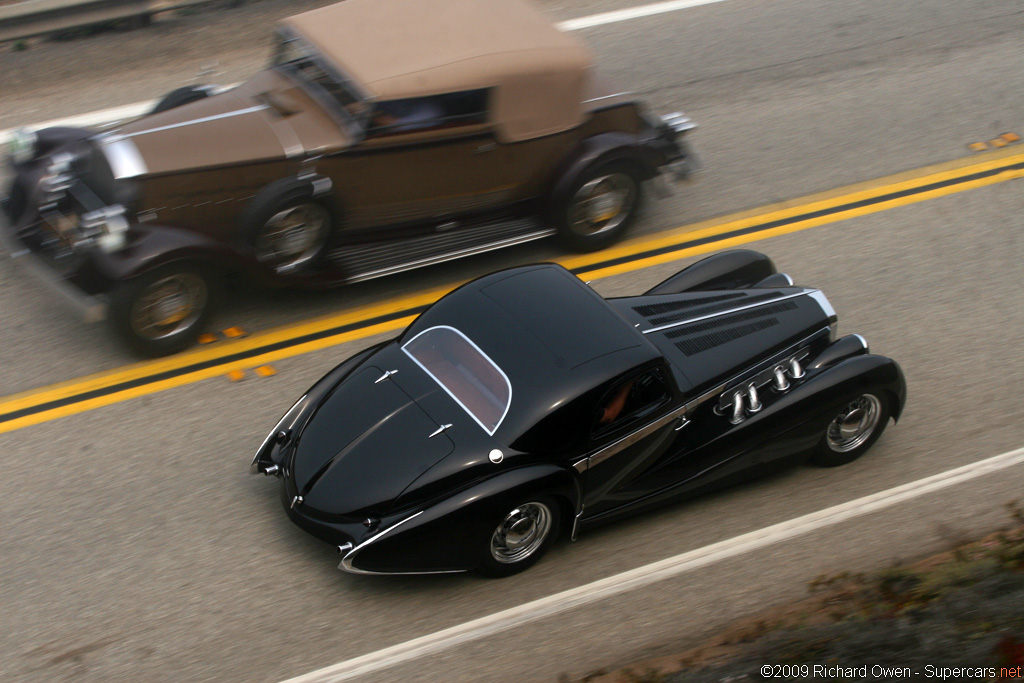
662 314
708 334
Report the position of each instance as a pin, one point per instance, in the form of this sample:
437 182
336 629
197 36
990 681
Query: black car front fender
452 534
812 403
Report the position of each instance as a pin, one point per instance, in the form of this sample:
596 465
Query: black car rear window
465 372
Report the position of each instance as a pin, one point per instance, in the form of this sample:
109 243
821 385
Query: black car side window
631 400
417 114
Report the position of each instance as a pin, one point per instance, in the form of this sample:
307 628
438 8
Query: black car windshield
464 372
300 60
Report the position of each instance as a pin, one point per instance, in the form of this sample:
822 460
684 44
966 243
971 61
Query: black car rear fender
733 269
451 534
275 447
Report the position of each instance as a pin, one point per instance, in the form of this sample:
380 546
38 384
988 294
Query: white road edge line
129 111
652 573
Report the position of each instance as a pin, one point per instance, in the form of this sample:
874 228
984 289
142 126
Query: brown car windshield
464 372
301 61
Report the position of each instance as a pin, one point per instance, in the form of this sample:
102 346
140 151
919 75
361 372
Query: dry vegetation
962 608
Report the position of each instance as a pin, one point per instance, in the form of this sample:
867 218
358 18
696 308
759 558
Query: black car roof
552 335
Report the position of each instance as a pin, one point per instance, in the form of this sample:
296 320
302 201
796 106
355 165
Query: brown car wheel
163 311
287 226
600 207
853 429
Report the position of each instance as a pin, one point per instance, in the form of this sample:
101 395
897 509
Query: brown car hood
263 119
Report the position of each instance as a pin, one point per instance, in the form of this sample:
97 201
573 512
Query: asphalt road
136 547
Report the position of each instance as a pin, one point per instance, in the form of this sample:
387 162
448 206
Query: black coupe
524 405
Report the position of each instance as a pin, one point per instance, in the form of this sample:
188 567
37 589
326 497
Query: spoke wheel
602 204
294 236
163 311
853 429
600 207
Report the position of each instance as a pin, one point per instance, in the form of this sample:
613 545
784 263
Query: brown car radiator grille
705 335
363 262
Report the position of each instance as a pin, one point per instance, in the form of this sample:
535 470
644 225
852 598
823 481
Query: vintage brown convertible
384 136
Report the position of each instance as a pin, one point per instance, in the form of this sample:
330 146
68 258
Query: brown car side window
631 400
417 114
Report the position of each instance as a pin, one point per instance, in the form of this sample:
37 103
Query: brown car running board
365 262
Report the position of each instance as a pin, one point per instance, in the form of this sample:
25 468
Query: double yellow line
85 393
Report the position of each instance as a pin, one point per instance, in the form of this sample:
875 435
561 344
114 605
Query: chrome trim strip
451 256
731 310
215 117
286 136
611 449
576 524
273 432
123 156
508 382
346 562
607 97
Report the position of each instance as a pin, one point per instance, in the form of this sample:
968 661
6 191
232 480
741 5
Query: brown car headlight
21 146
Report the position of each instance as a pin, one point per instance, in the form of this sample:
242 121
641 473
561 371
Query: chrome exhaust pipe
755 402
781 382
737 408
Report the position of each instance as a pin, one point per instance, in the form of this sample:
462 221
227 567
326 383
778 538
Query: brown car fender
601 149
151 246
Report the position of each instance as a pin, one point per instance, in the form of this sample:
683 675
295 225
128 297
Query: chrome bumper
91 308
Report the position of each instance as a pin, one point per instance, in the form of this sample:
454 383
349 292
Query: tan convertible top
411 48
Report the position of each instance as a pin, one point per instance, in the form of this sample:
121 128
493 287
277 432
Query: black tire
534 524
599 207
180 96
163 311
854 429
287 227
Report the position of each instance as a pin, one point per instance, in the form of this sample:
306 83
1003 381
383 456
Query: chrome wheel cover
521 533
602 204
293 236
854 424
171 304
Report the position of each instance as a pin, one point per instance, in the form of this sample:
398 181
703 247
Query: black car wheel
600 207
287 226
163 311
522 536
180 96
853 430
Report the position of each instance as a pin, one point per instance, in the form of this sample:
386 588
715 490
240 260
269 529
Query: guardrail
41 17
